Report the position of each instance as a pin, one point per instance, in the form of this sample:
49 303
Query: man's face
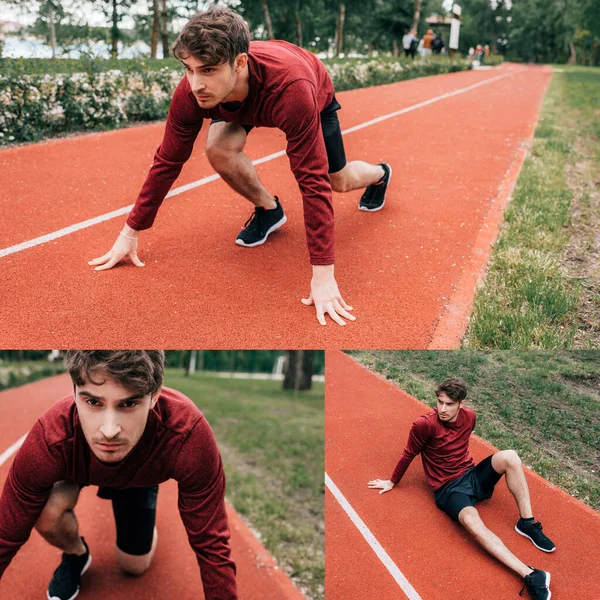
112 417
212 84
448 408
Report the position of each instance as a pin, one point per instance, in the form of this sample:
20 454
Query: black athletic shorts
475 485
332 134
135 516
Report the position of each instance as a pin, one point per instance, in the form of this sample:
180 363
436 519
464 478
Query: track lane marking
210 178
383 556
11 450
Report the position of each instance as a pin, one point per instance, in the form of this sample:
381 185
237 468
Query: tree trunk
268 20
163 28
191 368
573 58
298 28
299 368
417 15
114 30
394 47
340 30
155 28
52 36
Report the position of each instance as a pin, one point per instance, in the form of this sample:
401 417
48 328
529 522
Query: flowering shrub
40 105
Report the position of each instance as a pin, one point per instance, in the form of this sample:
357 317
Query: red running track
397 267
367 421
174 572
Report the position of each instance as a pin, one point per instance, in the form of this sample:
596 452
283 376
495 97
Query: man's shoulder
59 420
426 422
470 414
279 57
177 412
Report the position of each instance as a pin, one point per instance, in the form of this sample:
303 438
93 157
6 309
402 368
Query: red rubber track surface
397 267
367 421
174 572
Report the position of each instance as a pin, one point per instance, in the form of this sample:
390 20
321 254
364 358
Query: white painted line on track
190 186
383 556
8 453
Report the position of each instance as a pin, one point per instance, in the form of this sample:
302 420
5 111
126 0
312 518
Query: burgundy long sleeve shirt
444 447
288 89
177 443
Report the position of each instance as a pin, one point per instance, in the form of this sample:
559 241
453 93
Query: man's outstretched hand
385 485
125 247
326 297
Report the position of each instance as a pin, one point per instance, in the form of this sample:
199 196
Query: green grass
530 299
272 446
544 405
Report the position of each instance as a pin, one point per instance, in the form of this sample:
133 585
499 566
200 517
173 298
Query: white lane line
8 453
383 556
184 188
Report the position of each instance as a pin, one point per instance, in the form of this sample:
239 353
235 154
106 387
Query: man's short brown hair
214 37
140 371
454 388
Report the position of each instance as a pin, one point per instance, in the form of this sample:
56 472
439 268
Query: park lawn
541 286
545 405
272 446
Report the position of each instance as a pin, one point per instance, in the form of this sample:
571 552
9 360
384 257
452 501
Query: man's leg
356 175
469 518
57 523
508 463
224 146
135 519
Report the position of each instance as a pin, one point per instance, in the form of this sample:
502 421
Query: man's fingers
331 311
100 260
320 314
345 306
109 265
307 301
135 260
383 491
340 310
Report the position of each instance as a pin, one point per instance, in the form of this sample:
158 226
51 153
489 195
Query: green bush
41 98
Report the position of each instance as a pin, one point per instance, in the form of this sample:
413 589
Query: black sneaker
538 585
374 197
258 227
533 531
65 581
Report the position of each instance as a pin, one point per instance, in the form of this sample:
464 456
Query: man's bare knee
137 565
63 498
504 460
224 142
469 518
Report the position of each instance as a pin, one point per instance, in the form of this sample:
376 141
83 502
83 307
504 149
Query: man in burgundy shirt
239 85
124 432
442 438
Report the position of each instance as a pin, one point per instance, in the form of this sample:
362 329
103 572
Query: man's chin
110 457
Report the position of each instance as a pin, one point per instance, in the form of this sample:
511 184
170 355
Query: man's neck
242 86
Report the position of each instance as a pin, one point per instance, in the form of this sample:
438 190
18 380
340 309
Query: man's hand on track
326 297
385 485
125 247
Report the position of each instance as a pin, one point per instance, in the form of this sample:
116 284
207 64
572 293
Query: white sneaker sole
531 540
85 568
365 209
271 229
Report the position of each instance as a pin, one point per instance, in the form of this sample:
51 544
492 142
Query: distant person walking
410 41
437 45
427 40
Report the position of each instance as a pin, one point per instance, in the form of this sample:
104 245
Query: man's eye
130 404
208 70
92 402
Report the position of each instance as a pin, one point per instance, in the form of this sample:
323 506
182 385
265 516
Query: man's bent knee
504 460
224 142
469 518
137 564
63 498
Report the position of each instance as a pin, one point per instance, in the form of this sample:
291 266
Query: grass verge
14 374
272 447
531 298
544 405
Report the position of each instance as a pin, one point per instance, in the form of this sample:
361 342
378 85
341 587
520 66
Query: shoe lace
255 221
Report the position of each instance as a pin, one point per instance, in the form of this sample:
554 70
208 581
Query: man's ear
241 60
155 397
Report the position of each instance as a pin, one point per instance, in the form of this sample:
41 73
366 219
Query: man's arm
199 472
417 440
297 115
25 493
181 130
